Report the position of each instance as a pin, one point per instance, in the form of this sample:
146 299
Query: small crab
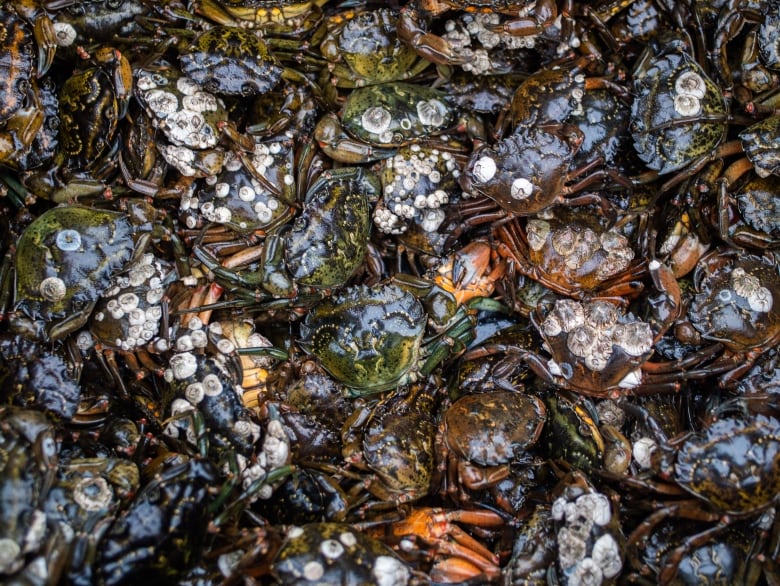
233 61
482 435
189 116
362 48
433 533
377 119
287 18
574 256
322 249
64 262
393 440
734 306
679 114
367 338
335 553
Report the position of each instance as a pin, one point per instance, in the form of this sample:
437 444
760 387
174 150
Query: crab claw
46 39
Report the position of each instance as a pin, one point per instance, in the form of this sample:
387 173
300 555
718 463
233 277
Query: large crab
730 467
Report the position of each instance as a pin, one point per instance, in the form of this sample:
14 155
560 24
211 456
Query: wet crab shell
524 173
367 338
491 429
678 113
734 303
328 241
65 260
733 464
396 113
334 553
231 60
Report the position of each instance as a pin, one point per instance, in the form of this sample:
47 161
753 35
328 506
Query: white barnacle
599 355
376 120
606 554
162 103
390 571
635 338
596 506
194 392
92 494
432 219
128 301
571 547
431 112
586 573
64 33
760 300
521 188
184 343
331 549
690 83
348 538
52 289
643 450
686 105
183 365
313 571
68 240
9 555
212 386
581 340
537 231
569 313
601 314
484 169
564 241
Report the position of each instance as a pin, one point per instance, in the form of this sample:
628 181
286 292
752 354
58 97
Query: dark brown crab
730 467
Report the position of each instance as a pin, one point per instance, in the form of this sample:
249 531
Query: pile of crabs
423 292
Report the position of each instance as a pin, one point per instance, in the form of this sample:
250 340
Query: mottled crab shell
761 142
491 429
733 464
393 114
65 260
734 303
678 113
367 338
231 60
335 553
328 241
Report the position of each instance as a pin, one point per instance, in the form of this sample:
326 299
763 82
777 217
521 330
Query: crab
362 48
734 307
527 19
64 262
600 350
229 60
323 248
574 256
381 118
730 469
288 18
393 440
371 338
482 436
